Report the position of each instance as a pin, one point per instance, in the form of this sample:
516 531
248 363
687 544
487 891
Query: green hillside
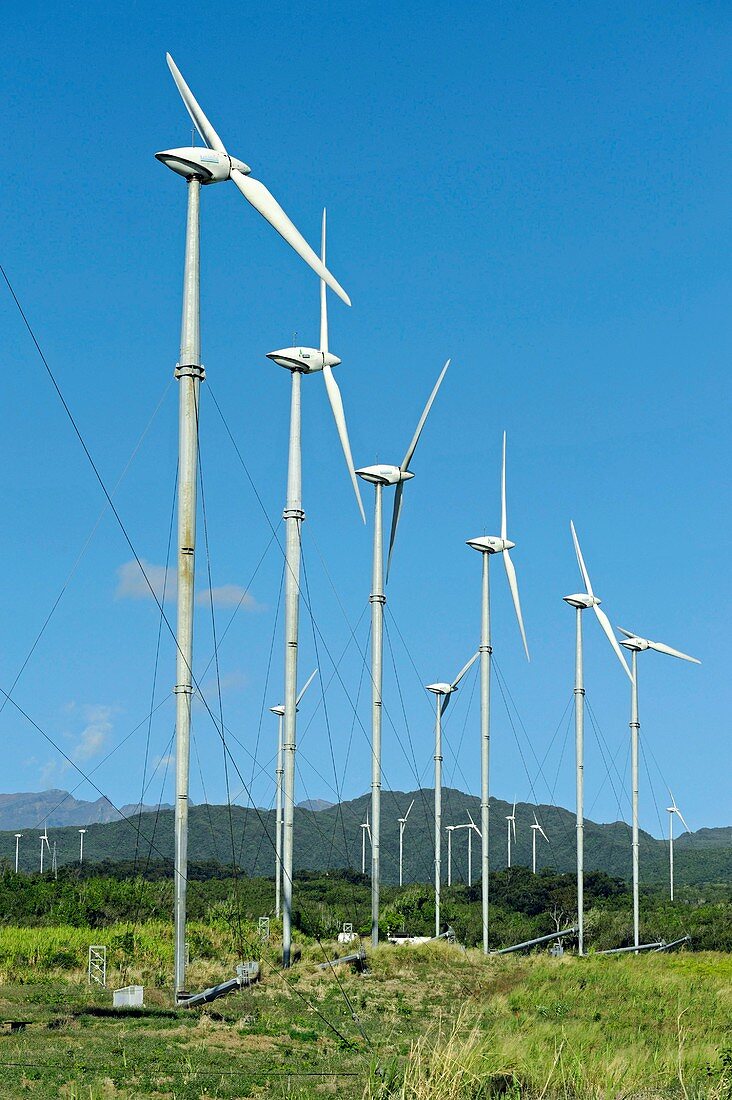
331 838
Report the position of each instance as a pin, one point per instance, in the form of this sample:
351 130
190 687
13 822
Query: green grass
421 1024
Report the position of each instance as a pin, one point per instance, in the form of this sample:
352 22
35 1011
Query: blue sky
535 190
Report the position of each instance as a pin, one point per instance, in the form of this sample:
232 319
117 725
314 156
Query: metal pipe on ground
534 943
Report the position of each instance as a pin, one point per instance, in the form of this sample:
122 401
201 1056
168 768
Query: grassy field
432 1022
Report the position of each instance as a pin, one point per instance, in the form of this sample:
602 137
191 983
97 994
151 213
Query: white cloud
228 595
95 734
132 585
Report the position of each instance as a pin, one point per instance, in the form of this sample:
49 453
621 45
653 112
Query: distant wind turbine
511 830
402 827
380 476
581 601
443 693
365 828
637 645
671 810
488 545
536 828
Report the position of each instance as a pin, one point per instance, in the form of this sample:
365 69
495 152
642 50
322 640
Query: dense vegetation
523 905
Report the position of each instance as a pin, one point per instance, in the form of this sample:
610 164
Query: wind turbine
379 476
450 829
365 828
200 167
402 826
511 829
536 828
581 601
81 846
637 645
17 849
472 828
443 693
279 710
299 361
44 840
488 545
671 810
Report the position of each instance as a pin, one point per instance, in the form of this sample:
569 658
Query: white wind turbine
472 828
443 693
402 827
637 645
279 710
199 167
365 829
511 830
488 545
18 837
44 840
671 810
379 476
299 361
536 828
581 601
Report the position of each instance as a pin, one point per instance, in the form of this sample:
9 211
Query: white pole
534 831
190 374
401 849
377 599
670 850
438 808
17 845
485 741
470 857
363 849
579 740
81 846
634 732
293 516
508 823
449 855
278 824
42 839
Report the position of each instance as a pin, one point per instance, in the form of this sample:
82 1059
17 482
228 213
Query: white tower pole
81 846
579 742
438 808
470 857
293 516
377 599
634 734
401 849
189 373
534 831
363 849
17 846
508 841
670 850
449 854
485 741
278 817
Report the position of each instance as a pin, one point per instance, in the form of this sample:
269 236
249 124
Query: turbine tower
536 828
511 830
44 840
300 361
82 833
402 826
199 167
279 710
365 828
17 849
637 645
443 693
379 476
581 601
671 810
488 545
450 829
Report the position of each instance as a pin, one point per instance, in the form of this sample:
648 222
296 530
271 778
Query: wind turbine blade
513 585
605 624
681 817
307 685
262 200
445 703
513 827
465 668
323 293
336 404
425 413
661 648
546 838
627 633
409 810
581 561
199 119
504 525
396 512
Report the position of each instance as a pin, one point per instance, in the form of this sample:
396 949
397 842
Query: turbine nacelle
441 689
635 644
206 165
305 360
582 600
491 544
384 475
280 710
